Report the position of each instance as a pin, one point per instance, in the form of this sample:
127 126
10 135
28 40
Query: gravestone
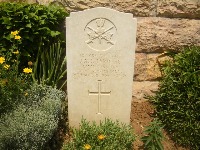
100 60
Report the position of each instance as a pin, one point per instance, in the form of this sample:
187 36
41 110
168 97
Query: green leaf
6 20
54 33
148 140
28 25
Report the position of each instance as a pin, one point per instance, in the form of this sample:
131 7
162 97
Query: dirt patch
141 116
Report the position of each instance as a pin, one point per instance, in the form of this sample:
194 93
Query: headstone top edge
100 8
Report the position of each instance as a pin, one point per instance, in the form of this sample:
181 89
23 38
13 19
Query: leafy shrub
37 26
154 136
33 122
177 101
107 136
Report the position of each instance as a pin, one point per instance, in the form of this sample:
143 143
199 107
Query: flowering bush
13 85
32 26
13 82
107 136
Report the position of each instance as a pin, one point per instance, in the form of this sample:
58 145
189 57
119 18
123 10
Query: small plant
153 136
107 136
50 66
33 122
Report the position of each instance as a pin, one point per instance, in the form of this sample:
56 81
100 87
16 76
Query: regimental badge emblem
101 34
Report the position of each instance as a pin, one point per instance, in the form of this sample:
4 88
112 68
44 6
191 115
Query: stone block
145 88
179 8
156 35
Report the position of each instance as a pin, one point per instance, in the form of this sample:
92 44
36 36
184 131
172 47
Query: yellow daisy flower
26 94
14 32
17 37
87 146
27 70
101 137
6 66
2 60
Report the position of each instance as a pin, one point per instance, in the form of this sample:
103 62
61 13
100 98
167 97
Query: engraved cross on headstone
99 93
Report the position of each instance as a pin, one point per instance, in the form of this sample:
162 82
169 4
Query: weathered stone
142 89
44 2
136 7
178 8
141 8
140 66
100 56
27 1
156 34
147 67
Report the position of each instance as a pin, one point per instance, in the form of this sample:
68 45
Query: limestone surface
142 8
142 89
179 8
156 34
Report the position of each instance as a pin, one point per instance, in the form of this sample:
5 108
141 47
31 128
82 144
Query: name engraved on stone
98 66
99 93
101 34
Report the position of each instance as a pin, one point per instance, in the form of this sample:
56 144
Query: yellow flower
101 137
27 70
6 66
14 33
26 94
30 63
17 52
87 146
17 37
2 60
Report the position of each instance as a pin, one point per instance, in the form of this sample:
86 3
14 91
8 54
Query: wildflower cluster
2 61
13 82
15 35
107 135
100 137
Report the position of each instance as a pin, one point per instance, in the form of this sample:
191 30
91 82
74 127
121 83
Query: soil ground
141 116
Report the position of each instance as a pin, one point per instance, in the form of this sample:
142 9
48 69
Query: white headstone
100 63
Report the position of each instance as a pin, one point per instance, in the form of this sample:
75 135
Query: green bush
33 122
153 136
37 25
107 136
177 101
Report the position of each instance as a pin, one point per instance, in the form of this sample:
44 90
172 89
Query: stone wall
162 25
